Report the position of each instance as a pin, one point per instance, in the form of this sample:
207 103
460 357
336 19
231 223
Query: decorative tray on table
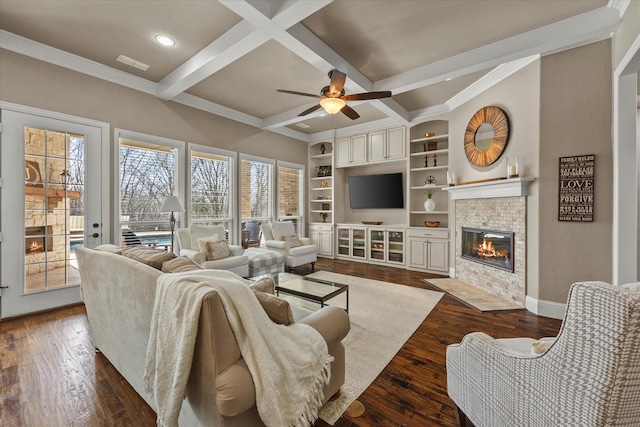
372 222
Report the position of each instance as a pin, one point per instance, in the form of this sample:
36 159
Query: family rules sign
576 188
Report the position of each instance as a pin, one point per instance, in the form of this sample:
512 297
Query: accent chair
281 237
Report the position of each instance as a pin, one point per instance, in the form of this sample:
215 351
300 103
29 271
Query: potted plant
429 204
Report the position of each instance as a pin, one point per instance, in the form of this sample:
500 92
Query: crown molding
620 5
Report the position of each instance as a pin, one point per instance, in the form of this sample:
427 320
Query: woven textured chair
588 377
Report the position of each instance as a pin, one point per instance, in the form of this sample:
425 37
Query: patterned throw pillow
293 241
202 242
217 250
264 284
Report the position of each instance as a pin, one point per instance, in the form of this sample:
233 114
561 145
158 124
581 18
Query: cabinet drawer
437 234
315 227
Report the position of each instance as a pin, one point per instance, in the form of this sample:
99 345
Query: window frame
301 218
178 146
271 200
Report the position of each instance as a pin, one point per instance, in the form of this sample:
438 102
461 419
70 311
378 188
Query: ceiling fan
333 98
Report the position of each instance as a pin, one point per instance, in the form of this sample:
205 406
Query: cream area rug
383 316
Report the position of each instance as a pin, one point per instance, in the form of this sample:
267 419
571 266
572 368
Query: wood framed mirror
486 136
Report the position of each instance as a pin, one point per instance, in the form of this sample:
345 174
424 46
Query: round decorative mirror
486 136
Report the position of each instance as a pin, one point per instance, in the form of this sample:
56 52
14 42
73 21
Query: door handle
94 235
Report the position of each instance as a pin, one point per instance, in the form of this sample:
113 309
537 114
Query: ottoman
263 261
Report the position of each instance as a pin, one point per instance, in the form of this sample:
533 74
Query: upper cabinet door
395 144
342 150
377 146
358 150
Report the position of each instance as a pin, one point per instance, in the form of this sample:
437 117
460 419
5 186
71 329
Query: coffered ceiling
230 56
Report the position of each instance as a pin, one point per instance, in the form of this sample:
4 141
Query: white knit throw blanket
289 364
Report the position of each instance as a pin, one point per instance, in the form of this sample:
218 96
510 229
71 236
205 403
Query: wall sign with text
575 194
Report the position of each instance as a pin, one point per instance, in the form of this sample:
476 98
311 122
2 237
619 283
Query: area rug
383 316
471 295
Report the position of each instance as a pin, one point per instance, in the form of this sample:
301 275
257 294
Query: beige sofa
119 296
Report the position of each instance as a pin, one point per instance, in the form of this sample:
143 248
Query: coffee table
319 291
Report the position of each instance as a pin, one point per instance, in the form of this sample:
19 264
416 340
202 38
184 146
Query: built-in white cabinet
351 151
428 250
322 236
386 246
321 183
387 145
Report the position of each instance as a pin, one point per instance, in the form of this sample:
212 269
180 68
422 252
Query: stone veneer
500 214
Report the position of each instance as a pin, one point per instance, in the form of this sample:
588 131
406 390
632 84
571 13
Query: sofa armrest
331 322
235 250
235 391
195 256
276 244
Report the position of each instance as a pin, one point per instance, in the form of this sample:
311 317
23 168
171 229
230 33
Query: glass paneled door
55 208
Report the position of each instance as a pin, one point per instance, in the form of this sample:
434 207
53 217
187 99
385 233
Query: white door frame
625 168
12 299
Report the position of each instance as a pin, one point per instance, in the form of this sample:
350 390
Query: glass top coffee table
307 288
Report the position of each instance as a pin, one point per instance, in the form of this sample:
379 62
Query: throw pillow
198 231
217 250
202 242
282 229
109 248
265 284
278 310
151 257
293 241
179 264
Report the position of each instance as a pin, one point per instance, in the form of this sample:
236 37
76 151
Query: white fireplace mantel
513 187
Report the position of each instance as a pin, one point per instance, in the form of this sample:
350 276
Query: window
148 172
290 194
256 187
212 185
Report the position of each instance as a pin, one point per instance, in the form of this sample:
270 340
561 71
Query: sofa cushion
303 250
179 264
151 257
202 231
283 229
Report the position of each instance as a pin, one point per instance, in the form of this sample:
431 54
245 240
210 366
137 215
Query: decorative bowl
429 134
432 223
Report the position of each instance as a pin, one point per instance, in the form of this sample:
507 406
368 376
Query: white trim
513 187
303 193
555 310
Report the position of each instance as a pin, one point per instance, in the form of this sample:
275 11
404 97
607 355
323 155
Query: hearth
490 247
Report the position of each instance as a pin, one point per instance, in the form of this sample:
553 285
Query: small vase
429 205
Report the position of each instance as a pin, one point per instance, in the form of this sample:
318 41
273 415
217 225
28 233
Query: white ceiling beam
235 43
576 31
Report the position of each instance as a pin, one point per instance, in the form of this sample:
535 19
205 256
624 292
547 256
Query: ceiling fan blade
350 112
337 82
367 95
310 110
293 92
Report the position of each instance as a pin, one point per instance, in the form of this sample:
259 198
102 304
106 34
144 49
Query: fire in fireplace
494 248
38 239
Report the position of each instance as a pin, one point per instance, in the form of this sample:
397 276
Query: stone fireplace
490 236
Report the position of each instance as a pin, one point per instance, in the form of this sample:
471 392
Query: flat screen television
383 191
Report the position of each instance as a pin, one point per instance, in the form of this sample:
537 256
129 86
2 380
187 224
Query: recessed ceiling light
165 40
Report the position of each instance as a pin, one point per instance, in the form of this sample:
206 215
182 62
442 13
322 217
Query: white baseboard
555 310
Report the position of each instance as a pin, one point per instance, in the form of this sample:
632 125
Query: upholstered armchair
205 245
297 251
589 375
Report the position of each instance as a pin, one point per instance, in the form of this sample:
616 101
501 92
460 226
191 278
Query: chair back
266 231
188 237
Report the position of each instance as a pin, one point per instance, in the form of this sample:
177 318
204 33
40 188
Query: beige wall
575 118
626 33
519 97
34 83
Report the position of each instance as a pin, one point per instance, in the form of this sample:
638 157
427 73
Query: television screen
376 191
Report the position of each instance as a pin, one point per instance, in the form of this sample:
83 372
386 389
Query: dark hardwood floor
51 375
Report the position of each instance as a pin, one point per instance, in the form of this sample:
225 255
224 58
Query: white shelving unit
321 197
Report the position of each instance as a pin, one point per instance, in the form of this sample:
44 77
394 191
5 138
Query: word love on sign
576 188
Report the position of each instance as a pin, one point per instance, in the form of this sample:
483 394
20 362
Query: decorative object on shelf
431 145
324 184
429 204
451 178
430 180
432 223
323 171
486 136
512 167
324 216
435 160
429 134
426 161
322 148
372 222
326 207
320 198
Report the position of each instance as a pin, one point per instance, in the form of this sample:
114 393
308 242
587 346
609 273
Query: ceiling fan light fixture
332 105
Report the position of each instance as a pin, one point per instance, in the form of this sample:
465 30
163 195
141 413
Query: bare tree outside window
256 189
210 187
